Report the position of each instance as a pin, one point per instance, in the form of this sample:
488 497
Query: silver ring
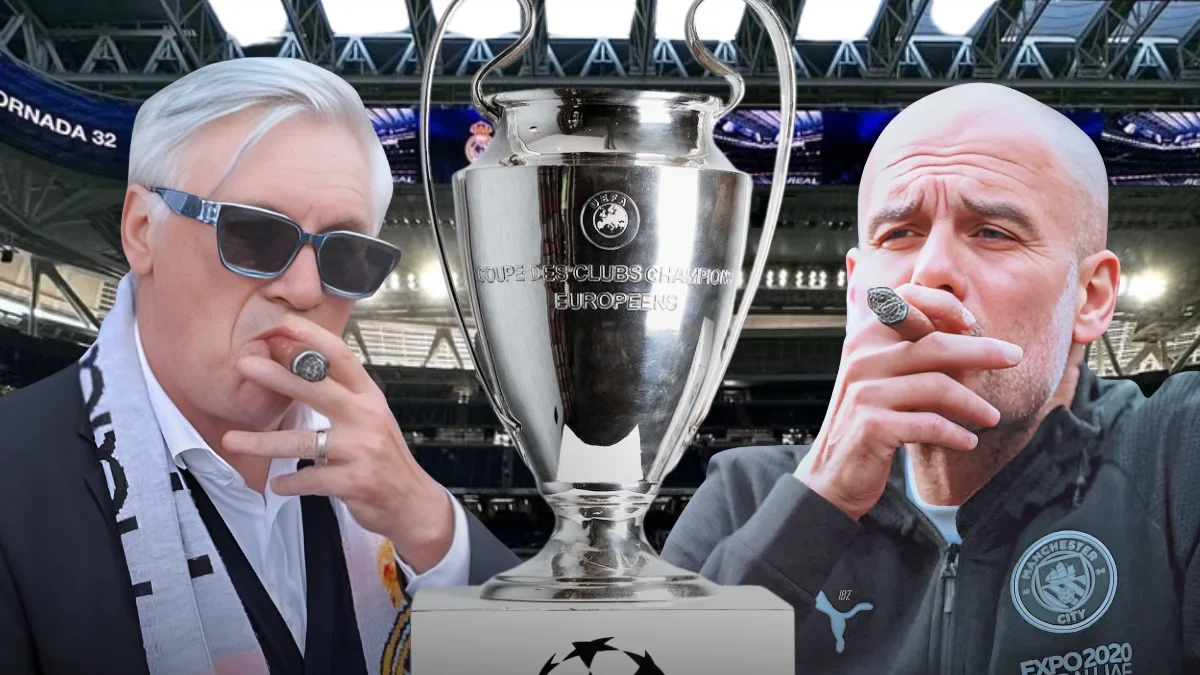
887 305
322 458
310 365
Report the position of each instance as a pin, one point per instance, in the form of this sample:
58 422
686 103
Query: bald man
977 501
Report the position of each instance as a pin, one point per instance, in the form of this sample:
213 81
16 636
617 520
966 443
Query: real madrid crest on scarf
1064 582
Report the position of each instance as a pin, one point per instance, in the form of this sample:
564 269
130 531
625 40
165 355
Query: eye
894 234
992 233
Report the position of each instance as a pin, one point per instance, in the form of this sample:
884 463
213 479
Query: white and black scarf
191 618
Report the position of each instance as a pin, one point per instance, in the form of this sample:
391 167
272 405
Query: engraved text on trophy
572 296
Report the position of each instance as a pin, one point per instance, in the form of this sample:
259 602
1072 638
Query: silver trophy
602 235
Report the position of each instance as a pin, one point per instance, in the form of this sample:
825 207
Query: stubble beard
1021 393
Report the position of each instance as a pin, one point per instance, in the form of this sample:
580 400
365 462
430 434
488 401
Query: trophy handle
489 109
782 44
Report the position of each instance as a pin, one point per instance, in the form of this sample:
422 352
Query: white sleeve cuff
804 467
455 568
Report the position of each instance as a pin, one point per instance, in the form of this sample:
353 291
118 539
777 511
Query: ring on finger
322 457
310 365
887 305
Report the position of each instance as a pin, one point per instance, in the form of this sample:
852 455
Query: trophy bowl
601 237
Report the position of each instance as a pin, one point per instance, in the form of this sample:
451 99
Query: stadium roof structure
849 52
1086 54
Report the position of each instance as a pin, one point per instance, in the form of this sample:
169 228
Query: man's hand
896 385
369 465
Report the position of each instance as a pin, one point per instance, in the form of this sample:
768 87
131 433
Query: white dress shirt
268 527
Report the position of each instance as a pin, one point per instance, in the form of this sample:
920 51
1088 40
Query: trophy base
740 629
598 552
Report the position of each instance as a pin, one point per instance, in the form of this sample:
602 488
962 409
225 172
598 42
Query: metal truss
890 38
1112 65
754 44
992 51
1111 38
1130 347
40 268
310 30
25 37
422 21
55 214
539 60
196 37
643 45
1188 54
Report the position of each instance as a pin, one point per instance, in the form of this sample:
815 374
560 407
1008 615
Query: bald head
976 116
983 193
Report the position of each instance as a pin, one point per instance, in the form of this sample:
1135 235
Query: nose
300 284
939 264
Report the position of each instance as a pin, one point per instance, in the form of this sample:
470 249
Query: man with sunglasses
218 486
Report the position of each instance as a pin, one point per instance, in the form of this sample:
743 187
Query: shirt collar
178 432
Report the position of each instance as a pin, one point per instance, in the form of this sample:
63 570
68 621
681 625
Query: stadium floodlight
958 17
251 22
433 282
1147 286
583 20
481 20
837 20
366 17
716 20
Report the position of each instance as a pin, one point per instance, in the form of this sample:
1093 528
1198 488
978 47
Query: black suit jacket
66 599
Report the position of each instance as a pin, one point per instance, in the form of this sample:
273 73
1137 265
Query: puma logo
837 620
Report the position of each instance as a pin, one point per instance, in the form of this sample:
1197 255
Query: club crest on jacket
1064 582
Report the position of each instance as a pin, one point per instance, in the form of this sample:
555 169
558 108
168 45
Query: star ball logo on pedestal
1064 582
597 657
610 220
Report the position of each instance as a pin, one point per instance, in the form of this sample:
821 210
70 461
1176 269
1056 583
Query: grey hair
281 87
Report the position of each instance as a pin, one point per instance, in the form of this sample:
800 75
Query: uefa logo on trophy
610 220
602 234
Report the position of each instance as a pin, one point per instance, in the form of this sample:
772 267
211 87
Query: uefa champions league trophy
601 234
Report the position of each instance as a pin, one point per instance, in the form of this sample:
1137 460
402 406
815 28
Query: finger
937 352
926 428
291 443
328 397
915 325
951 353
942 309
300 334
927 392
324 481
929 310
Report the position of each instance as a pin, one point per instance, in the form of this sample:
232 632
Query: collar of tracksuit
1061 458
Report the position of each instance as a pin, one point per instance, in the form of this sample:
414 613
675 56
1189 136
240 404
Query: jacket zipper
949 577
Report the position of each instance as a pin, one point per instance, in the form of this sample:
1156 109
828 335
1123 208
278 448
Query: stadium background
1127 72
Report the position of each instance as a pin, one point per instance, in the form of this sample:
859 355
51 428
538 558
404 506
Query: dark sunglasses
258 243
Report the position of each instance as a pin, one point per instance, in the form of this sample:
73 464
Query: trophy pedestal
739 629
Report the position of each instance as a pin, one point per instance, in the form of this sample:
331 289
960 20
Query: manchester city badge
1064 582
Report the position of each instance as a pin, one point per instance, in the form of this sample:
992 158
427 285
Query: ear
851 264
136 225
1099 280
